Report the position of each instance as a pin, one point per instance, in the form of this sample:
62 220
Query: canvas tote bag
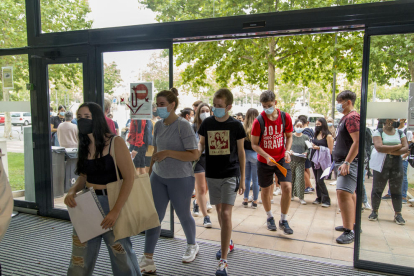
6 201
138 213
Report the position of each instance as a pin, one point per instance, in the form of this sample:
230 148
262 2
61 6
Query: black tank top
105 175
323 142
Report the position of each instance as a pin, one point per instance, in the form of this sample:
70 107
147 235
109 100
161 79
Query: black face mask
85 126
318 128
396 124
155 113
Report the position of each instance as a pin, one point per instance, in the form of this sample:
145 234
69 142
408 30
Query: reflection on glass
120 70
15 126
388 225
13 24
66 95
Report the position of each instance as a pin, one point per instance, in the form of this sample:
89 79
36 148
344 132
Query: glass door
132 76
386 239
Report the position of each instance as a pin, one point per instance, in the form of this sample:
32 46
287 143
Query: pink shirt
111 125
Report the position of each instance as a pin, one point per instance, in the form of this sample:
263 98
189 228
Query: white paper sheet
299 155
326 172
87 217
376 162
309 144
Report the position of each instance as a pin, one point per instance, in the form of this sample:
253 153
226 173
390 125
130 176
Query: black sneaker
196 211
342 229
271 225
285 226
399 219
347 237
207 222
254 205
373 216
245 204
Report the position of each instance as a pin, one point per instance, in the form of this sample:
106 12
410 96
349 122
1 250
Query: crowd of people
205 153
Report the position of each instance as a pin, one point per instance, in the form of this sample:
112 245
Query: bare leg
347 204
266 196
201 190
286 197
141 170
224 212
308 183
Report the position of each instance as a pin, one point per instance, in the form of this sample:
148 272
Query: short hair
346 95
303 118
224 93
60 107
68 116
297 121
107 105
239 114
197 103
174 90
267 96
170 96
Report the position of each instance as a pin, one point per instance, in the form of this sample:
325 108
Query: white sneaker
332 183
209 207
292 198
411 200
146 264
191 253
250 199
260 201
277 192
366 206
303 202
272 201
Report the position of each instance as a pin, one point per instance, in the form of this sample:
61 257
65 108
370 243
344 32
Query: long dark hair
325 130
100 132
251 114
197 119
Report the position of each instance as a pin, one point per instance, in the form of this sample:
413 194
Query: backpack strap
283 114
262 126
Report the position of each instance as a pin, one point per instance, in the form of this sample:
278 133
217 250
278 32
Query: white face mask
191 119
203 116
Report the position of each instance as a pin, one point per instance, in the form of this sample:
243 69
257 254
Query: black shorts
308 164
139 160
200 167
148 161
265 173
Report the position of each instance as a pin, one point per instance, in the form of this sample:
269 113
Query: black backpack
262 124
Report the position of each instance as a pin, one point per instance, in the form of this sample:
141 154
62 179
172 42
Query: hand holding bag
138 213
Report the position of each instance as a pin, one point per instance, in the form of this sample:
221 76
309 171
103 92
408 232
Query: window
13 24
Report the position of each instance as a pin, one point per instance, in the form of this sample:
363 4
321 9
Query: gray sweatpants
179 192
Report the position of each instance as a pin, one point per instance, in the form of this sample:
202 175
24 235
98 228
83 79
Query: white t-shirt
68 135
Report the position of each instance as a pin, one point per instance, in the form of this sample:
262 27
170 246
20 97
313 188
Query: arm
52 128
152 161
185 156
257 148
385 149
353 151
330 141
289 141
79 185
242 162
127 170
404 148
201 144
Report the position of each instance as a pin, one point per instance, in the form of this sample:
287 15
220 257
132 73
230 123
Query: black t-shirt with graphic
222 160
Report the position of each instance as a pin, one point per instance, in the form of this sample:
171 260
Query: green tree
157 71
112 77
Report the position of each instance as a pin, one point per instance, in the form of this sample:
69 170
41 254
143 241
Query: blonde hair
251 114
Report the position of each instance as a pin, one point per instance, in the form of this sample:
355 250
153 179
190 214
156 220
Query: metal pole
334 81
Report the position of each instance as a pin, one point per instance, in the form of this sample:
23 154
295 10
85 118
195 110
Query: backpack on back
262 124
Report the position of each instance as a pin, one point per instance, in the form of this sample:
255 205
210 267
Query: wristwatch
347 163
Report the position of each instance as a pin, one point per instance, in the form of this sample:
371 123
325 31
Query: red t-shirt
111 125
273 140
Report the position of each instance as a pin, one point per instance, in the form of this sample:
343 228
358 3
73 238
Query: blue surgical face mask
62 113
299 130
163 112
339 108
219 112
269 110
330 124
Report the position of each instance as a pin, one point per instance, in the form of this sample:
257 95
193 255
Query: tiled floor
314 233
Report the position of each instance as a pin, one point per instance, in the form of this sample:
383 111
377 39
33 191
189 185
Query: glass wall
13 32
387 224
15 126
95 14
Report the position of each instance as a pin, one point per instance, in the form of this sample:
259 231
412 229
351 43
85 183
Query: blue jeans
84 255
251 174
404 187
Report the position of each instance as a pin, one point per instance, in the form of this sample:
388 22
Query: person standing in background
310 133
55 122
196 104
110 116
67 132
107 108
331 127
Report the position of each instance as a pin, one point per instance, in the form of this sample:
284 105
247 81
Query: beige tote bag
6 201
138 213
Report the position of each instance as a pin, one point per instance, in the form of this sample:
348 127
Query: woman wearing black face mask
96 165
393 142
321 159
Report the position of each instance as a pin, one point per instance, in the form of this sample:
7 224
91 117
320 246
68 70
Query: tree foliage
112 77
